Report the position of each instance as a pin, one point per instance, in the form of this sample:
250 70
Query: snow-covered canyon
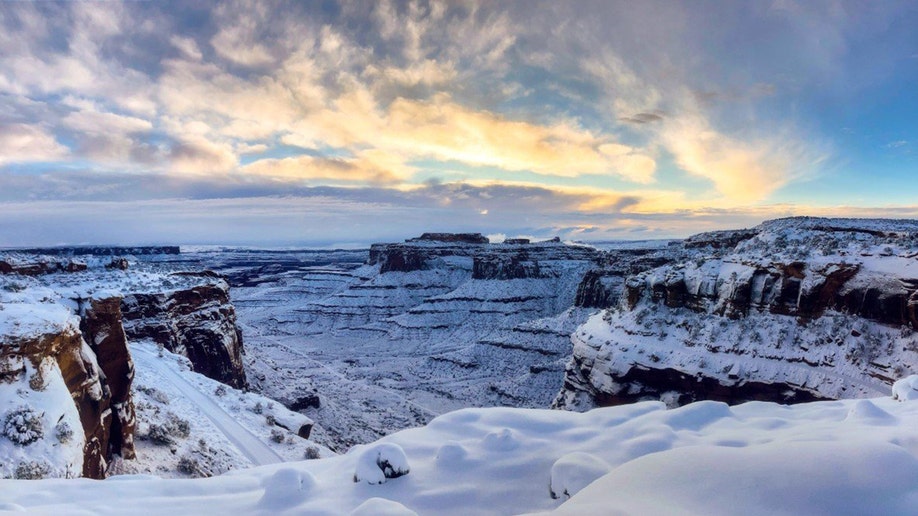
209 361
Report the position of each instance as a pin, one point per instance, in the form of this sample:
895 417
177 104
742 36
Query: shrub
23 426
63 432
160 434
220 391
193 467
277 436
167 432
270 420
181 427
32 470
311 453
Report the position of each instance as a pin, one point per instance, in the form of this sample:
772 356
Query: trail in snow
252 447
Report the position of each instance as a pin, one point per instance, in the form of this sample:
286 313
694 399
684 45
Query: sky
325 123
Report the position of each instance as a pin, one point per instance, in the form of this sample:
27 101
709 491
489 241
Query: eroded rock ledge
65 359
792 310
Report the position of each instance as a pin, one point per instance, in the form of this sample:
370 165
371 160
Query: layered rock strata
198 322
793 310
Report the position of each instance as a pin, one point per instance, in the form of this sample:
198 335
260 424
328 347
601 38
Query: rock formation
91 356
793 310
198 322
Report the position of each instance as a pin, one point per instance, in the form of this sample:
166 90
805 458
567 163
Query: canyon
347 346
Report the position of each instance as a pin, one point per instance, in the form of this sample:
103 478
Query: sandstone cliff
198 322
66 372
75 376
793 310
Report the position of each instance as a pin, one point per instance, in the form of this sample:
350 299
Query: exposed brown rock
83 380
199 323
102 330
464 238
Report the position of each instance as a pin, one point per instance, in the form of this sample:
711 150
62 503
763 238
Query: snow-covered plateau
750 372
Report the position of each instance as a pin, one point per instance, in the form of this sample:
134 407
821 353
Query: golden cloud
744 171
367 167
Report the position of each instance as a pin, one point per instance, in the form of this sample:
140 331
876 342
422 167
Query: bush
23 426
160 434
155 394
193 467
270 420
167 432
311 453
63 432
32 470
277 436
258 408
181 427
220 391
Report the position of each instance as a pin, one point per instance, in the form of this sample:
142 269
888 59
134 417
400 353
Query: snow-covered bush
167 432
574 471
193 466
154 394
380 462
160 434
63 432
906 389
182 427
23 426
285 488
33 470
277 436
311 453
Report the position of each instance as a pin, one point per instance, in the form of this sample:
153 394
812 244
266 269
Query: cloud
23 143
644 118
445 130
369 167
197 155
745 171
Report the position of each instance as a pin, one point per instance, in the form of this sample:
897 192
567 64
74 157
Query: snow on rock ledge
381 462
906 389
794 310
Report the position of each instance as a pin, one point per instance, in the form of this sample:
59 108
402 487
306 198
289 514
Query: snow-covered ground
706 458
204 427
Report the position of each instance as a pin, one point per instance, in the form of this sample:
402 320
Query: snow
252 447
232 425
906 389
574 471
380 462
54 406
821 458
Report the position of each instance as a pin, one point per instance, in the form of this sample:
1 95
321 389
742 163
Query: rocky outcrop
793 310
460 238
101 326
198 322
39 267
101 250
504 267
95 366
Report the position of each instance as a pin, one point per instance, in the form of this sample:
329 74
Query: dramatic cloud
615 117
